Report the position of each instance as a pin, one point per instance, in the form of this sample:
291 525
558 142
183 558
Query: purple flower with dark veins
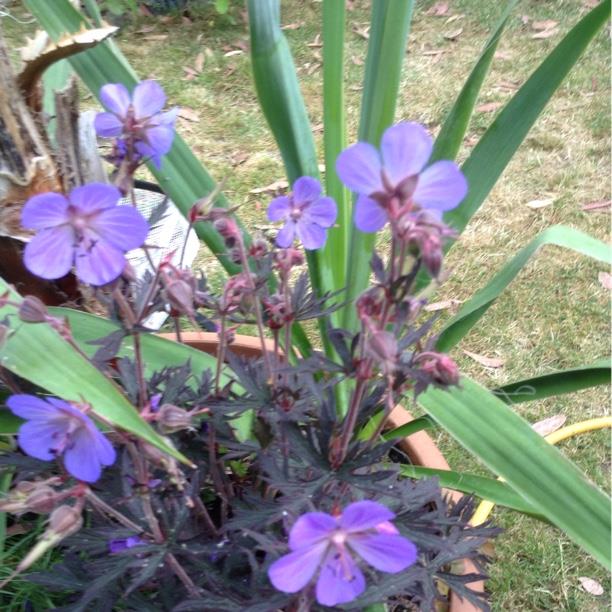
87 229
306 214
54 427
320 541
396 180
138 118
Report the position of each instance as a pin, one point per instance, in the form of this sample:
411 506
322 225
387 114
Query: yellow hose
485 508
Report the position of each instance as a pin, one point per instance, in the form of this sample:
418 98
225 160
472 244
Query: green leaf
386 49
334 134
556 383
408 429
499 143
559 235
536 470
456 123
39 354
486 488
281 101
221 6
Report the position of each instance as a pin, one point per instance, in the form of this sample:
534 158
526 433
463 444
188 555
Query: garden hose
485 508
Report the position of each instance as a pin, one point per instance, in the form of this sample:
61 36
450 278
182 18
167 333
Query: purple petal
119 545
369 215
50 253
122 226
148 152
311 235
169 117
363 515
45 210
405 148
323 212
160 138
94 196
359 168
37 438
387 553
294 571
310 528
81 459
107 125
66 408
116 98
286 235
279 208
340 580
306 189
30 407
148 98
100 265
441 186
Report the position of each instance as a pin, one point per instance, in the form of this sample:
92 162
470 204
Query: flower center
296 213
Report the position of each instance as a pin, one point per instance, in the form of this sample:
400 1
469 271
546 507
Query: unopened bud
65 520
442 369
258 248
42 499
172 418
32 310
382 347
285 259
180 296
228 230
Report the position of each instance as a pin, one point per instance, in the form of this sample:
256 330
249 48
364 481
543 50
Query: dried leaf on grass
535 204
293 26
600 205
545 33
198 64
363 32
443 305
489 107
272 187
488 362
546 24
454 35
439 9
547 426
591 586
189 114
605 280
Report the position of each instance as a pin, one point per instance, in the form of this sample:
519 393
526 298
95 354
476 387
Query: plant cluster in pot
259 481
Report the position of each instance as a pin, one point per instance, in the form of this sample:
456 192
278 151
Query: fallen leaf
155 37
454 18
503 55
488 362
355 88
605 279
443 305
234 52
540 203
146 29
433 52
545 33
591 586
547 426
589 4
358 61
507 85
272 187
489 107
454 35
547 24
316 42
188 113
317 127
239 158
439 9
472 140
190 74
364 32
199 61
525 19
293 26
596 206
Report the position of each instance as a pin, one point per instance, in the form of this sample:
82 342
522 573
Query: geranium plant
271 482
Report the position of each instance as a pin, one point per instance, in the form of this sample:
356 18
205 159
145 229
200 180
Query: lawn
556 313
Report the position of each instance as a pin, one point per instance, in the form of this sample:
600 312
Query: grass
555 315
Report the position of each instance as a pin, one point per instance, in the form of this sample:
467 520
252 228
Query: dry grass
555 315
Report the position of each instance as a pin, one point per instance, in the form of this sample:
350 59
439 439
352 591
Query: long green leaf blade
334 133
536 470
471 311
486 488
556 383
456 123
499 143
39 354
386 50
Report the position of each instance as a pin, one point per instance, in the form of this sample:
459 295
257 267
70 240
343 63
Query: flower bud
65 520
285 259
442 369
42 499
382 347
258 249
180 296
228 230
172 418
32 310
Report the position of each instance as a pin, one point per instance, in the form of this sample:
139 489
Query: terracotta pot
419 447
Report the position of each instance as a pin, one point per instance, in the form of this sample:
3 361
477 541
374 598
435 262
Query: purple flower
115 546
55 427
87 230
396 180
321 541
305 213
138 118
